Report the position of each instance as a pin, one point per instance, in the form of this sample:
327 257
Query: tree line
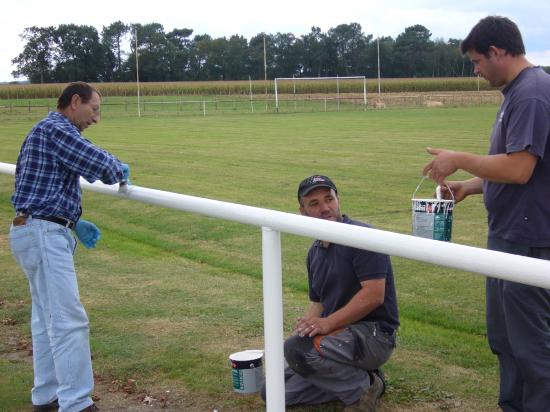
71 52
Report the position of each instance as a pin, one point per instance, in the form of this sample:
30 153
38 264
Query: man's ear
302 211
75 101
496 52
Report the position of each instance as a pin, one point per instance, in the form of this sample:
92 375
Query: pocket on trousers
60 238
25 246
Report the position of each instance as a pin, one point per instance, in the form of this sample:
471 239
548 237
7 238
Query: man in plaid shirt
47 201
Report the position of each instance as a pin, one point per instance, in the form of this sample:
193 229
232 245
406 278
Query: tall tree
286 60
80 54
256 52
412 52
112 37
310 47
153 52
350 45
36 61
200 67
180 58
237 61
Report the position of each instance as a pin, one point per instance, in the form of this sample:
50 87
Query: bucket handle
437 190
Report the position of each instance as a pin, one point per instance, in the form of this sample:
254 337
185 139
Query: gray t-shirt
521 213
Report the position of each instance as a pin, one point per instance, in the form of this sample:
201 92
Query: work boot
53 406
367 401
380 373
91 408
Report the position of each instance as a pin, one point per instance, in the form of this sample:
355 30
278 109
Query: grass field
170 295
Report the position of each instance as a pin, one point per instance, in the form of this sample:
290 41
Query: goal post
337 80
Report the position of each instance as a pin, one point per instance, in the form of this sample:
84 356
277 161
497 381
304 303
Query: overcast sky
445 19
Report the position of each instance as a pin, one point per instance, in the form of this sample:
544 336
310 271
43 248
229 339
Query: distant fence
288 103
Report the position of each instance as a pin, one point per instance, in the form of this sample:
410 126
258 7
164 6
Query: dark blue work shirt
335 274
521 213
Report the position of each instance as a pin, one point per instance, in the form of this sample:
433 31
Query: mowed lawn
170 294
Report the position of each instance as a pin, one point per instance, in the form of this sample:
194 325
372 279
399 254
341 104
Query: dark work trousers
518 328
338 368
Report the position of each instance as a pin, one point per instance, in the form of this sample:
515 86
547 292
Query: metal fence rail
530 271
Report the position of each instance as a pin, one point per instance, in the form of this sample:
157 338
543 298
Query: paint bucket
432 218
246 370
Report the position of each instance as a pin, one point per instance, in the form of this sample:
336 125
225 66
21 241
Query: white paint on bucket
246 370
432 218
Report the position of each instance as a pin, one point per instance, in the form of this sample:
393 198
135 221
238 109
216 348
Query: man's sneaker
46 407
367 401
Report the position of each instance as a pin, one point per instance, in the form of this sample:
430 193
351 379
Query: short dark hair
497 31
84 90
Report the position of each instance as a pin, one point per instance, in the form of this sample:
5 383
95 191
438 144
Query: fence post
273 320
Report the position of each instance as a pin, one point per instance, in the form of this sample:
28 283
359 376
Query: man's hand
311 326
454 190
441 166
126 173
87 233
460 190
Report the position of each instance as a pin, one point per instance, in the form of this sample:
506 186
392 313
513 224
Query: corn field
256 88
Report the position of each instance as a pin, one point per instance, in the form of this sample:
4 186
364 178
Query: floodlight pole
273 319
137 75
265 74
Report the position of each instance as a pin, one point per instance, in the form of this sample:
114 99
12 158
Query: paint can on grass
246 370
432 218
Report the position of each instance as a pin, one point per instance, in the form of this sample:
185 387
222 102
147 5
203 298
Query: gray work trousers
339 369
518 329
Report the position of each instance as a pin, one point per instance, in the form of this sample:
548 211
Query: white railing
530 271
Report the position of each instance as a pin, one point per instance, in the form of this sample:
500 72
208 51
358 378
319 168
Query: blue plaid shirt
53 157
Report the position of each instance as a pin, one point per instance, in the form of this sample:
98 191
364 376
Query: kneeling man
348 332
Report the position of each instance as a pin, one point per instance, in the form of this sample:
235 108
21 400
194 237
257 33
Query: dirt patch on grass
137 395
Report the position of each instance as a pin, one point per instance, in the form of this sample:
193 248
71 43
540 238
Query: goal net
321 93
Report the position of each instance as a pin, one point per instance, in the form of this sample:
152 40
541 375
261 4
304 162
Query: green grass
170 294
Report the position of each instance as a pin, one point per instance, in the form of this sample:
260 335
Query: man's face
489 67
85 114
321 203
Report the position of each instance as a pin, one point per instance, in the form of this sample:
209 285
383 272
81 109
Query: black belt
54 219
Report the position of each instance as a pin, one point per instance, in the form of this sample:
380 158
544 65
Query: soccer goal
324 90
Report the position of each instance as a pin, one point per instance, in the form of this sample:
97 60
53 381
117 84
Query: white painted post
365 92
338 92
273 320
276 97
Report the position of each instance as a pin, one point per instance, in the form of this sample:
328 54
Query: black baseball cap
312 182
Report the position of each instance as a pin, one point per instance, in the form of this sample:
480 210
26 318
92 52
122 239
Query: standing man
47 201
348 332
515 181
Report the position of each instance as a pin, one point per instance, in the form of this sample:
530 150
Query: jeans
338 369
518 329
60 330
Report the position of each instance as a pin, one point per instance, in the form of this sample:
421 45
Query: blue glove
87 233
126 173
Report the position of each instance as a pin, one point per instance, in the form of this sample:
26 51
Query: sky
443 18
